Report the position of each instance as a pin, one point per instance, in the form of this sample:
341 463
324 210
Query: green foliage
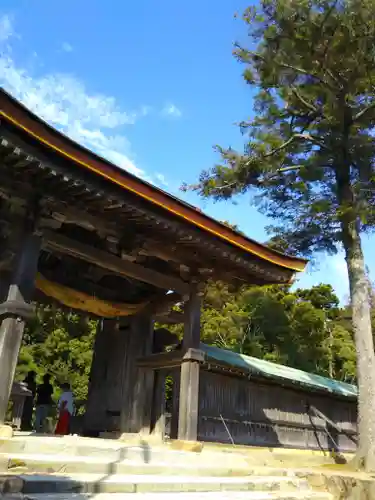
321 297
300 329
61 344
310 146
343 353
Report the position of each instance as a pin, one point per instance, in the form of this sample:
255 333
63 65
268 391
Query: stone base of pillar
6 432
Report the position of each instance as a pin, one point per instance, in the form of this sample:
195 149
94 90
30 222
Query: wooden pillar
175 402
158 405
189 379
101 385
14 312
138 382
120 393
17 410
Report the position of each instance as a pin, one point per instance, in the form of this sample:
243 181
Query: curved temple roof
23 119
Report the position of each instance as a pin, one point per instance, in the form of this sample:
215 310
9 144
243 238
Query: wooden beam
59 243
162 304
161 360
58 210
82 218
168 253
204 266
171 318
83 281
162 339
104 227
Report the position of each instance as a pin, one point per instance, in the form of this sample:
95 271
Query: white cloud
6 28
172 110
161 178
67 47
94 120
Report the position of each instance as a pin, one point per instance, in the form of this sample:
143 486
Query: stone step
102 465
96 483
115 451
150 451
73 445
232 495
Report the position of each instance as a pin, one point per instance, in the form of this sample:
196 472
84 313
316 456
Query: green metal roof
280 373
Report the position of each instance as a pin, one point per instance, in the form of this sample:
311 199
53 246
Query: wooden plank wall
120 393
260 414
105 390
137 383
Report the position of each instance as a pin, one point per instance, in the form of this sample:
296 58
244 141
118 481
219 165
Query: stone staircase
74 468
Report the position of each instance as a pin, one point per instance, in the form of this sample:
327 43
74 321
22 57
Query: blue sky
150 85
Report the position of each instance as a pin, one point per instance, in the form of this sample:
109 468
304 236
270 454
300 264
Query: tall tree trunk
361 318
359 295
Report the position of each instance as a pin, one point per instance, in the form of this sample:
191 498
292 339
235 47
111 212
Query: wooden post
175 402
138 382
100 390
189 381
158 405
14 312
17 410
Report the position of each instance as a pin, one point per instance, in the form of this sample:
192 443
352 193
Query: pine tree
310 150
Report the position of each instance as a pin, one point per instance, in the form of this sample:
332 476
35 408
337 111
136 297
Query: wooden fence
237 410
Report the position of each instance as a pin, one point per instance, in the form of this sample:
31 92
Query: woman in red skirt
66 408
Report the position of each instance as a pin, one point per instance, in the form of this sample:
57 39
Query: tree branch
303 72
307 104
294 137
289 169
226 186
280 148
285 169
361 113
334 77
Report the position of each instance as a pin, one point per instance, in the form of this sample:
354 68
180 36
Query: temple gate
77 230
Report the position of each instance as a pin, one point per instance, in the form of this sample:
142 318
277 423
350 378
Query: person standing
43 403
28 407
66 409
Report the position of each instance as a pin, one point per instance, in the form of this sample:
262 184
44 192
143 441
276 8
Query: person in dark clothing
28 407
43 403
